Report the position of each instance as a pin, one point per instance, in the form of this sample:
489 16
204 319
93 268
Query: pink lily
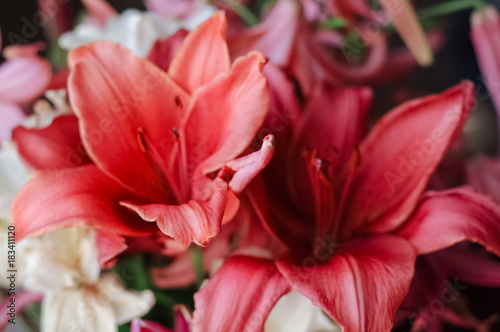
23 78
370 218
157 141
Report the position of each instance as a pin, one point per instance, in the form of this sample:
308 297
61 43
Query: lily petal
198 221
131 110
55 147
240 296
447 217
163 51
343 287
24 79
396 167
203 55
406 21
77 196
225 115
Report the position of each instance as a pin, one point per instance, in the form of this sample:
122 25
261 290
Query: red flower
163 145
354 214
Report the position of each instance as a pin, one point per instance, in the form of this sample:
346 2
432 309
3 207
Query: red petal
196 221
226 114
55 147
126 116
110 245
139 325
447 217
239 297
163 51
244 169
361 286
203 55
400 154
73 197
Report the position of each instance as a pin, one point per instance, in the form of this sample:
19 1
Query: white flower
63 265
133 29
295 313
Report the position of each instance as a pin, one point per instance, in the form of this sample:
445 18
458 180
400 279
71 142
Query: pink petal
274 37
170 8
400 154
406 21
127 117
239 297
22 300
55 147
100 10
163 51
225 115
447 217
73 197
10 117
361 286
139 325
24 79
203 55
197 221
23 51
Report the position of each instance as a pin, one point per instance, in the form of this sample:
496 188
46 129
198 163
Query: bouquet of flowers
234 165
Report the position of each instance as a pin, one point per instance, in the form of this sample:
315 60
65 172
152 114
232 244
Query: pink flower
23 78
163 145
354 215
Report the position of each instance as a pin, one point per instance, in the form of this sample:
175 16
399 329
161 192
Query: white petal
13 174
61 260
76 311
126 304
295 313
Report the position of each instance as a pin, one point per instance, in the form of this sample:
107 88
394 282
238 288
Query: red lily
157 141
352 248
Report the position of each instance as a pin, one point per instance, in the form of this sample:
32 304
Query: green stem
197 258
448 8
333 23
245 13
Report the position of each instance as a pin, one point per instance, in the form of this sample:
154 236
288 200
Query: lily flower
164 146
63 265
23 78
406 21
354 218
